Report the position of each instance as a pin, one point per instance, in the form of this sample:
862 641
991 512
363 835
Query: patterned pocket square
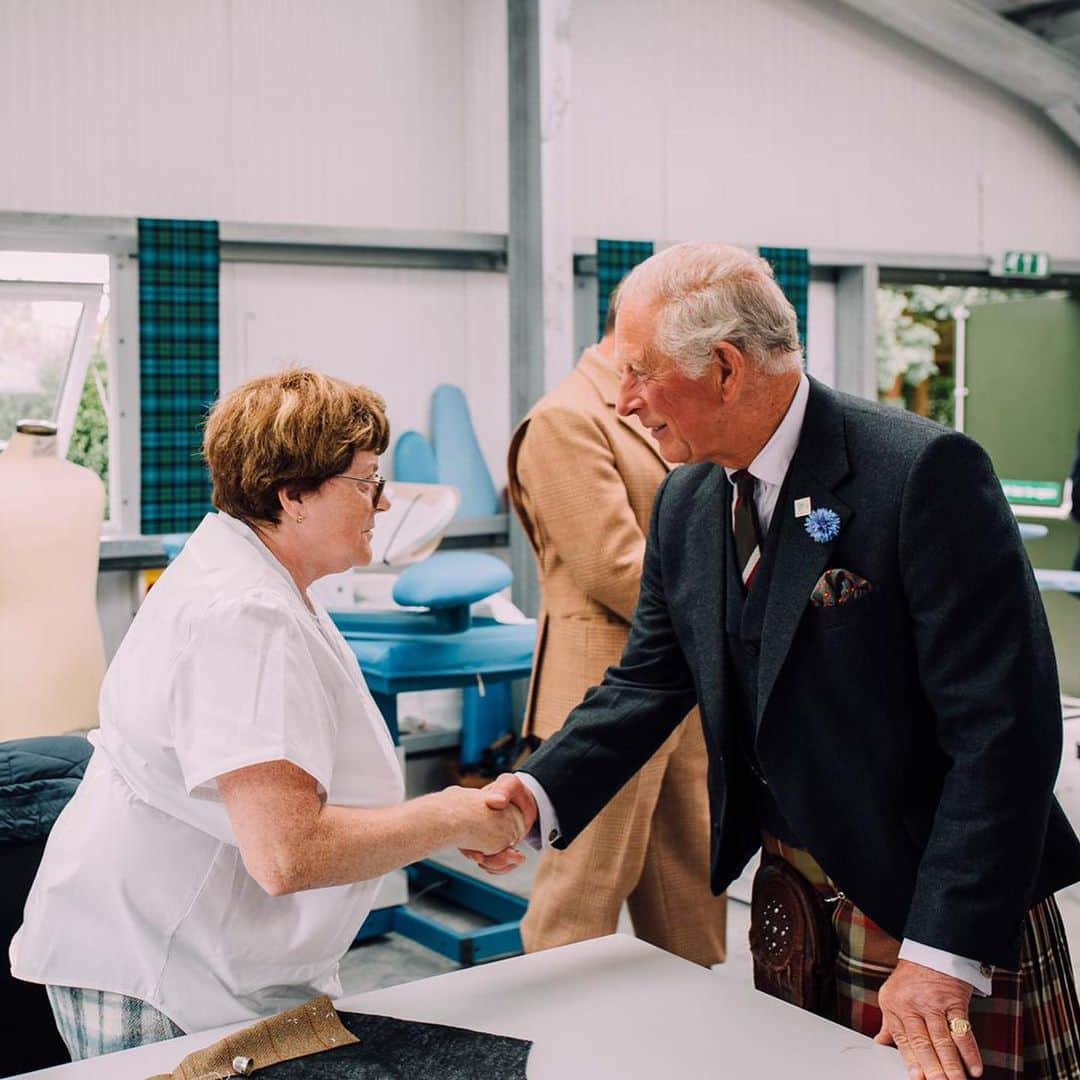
839 586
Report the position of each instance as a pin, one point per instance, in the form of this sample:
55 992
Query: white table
614 1007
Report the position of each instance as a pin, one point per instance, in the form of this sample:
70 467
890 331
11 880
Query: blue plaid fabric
792 269
614 260
178 328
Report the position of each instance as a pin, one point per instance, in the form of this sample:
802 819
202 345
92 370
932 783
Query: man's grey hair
708 293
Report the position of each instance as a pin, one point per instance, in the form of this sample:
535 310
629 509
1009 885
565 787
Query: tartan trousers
94 1022
1029 1026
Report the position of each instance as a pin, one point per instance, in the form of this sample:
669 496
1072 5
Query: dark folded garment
393 1049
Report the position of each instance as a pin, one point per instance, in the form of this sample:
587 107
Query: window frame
38 233
78 363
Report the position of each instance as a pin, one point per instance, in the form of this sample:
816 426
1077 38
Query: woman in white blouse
244 795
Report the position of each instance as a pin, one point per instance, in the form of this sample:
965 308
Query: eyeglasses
378 480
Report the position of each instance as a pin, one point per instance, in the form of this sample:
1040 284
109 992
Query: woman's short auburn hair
291 430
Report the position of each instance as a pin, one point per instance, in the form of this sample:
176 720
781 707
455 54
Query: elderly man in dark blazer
842 590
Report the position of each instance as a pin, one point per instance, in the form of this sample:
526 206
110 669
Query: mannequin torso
52 658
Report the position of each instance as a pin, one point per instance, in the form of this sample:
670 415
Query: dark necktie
744 522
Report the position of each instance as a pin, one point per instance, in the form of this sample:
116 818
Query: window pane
916 337
90 439
36 338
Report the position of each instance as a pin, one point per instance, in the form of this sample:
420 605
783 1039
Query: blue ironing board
458 456
395 660
455 458
442 646
414 459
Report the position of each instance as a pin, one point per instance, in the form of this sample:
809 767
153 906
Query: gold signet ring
959 1026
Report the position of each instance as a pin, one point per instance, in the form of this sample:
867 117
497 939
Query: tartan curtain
792 269
614 260
178 367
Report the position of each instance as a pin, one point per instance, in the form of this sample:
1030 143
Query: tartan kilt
1029 1026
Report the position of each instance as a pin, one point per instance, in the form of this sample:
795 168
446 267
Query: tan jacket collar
602 374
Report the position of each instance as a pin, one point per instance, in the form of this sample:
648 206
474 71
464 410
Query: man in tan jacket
582 480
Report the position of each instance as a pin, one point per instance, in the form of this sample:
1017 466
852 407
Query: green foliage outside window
90 439
906 340
943 400
916 343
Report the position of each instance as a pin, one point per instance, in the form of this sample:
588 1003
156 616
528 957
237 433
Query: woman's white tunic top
142 890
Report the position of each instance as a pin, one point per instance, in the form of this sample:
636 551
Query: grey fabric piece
393 1049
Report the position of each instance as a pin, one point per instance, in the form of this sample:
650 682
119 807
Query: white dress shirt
142 890
770 468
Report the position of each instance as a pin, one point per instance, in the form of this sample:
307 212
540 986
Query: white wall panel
821 331
799 123
620 121
766 121
348 113
486 96
401 332
485 352
112 107
328 112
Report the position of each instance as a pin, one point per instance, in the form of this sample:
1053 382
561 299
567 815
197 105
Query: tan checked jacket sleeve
578 507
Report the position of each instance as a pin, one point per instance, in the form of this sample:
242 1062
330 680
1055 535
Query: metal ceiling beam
976 38
1014 8
540 241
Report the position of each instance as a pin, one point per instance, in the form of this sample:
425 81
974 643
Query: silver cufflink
242 1066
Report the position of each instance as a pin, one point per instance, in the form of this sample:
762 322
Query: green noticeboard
1023 405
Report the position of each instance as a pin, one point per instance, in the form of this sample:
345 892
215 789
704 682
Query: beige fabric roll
308 1029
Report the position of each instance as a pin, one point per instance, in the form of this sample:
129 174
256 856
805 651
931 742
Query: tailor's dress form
52 658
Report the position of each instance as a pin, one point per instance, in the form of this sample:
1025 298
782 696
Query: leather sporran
791 938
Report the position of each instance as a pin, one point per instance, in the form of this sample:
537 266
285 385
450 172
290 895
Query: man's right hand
485 822
506 788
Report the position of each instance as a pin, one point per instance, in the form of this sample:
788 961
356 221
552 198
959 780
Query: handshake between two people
507 815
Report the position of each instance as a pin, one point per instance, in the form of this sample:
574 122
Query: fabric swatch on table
311 1028
393 1049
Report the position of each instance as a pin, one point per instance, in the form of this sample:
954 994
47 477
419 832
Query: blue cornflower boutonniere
822 525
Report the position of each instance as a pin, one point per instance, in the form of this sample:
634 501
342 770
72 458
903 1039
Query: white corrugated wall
768 121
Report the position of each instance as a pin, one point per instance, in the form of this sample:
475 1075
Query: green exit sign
1030 264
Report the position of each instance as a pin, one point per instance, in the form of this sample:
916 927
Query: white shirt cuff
959 967
545 830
